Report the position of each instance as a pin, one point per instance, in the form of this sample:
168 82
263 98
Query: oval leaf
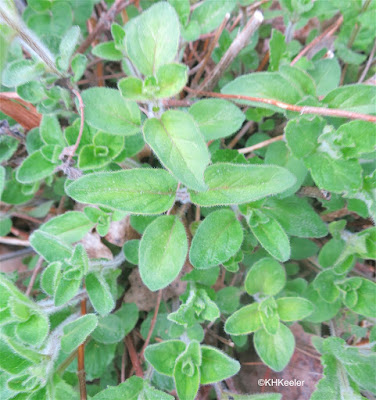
180 146
99 293
107 110
218 238
294 308
163 250
237 184
77 331
139 191
244 321
275 350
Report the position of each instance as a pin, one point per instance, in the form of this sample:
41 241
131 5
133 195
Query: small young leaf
266 276
179 145
294 308
244 321
162 356
66 289
217 118
218 237
107 110
99 293
67 46
139 191
35 168
107 51
365 304
237 184
77 331
273 239
171 80
50 277
152 38
163 250
50 130
275 350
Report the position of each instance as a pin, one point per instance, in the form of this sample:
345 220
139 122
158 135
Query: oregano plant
188 190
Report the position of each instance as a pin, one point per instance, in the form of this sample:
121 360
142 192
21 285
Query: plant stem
36 270
81 361
82 114
329 112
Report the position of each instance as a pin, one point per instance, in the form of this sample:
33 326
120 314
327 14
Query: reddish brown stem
81 361
152 324
329 112
36 270
82 114
133 356
260 145
327 32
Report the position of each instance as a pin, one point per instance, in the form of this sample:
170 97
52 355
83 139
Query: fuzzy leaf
236 184
49 247
162 356
35 168
152 38
99 293
217 118
162 253
294 308
275 350
244 321
216 366
77 331
179 145
218 237
266 276
139 191
107 110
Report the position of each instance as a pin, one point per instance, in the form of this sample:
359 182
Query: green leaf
365 304
109 330
273 239
236 184
33 331
66 289
269 315
217 118
267 85
179 145
218 237
19 72
49 247
327 75
130 390
302 135
186 376
50 277
98 357
139 191
216 366
275 350
182 7
8 145
69 227
107 110
163 250
78 65
244 321
11 361
266 276
171 80
294 308
162 356
152 38
128 314
357 98
77 331
107 51
323 311
34 168
356 138
296 217
324 283
277 49
334 175
50 130
99 293
131 251
66 48
210 14
2 181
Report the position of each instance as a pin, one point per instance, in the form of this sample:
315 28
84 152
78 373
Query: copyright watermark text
280 382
